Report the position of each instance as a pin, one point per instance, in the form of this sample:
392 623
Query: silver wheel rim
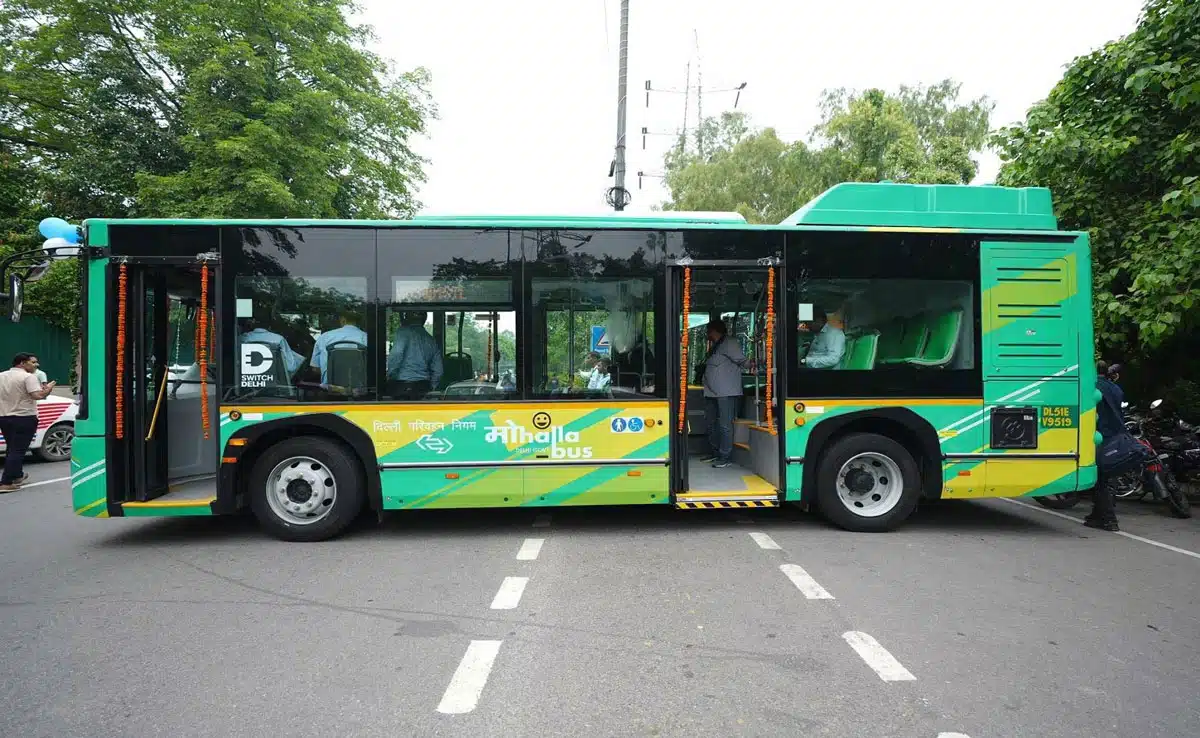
57 442
301 490
870 484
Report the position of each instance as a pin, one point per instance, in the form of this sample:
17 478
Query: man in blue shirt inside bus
829 345
347 332
414 365
255 333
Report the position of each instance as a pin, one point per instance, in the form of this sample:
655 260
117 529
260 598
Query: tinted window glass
301 306
594 295
448 320
877 315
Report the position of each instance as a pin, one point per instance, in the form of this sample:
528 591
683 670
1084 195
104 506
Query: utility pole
699 98
618 196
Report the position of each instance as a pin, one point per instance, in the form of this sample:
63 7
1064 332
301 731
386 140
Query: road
988 618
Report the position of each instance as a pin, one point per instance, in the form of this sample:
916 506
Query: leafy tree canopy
1118 142
918 134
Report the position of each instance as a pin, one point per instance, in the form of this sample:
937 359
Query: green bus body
969 343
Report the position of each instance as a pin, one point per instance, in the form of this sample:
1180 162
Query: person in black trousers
1104 507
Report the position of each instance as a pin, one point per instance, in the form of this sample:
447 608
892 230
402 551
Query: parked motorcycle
1156 476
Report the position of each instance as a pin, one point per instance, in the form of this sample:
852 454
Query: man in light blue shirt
258 334
829 345
347 332
414 365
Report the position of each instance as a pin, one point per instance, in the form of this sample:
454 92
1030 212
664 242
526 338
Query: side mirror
16 296
1154 405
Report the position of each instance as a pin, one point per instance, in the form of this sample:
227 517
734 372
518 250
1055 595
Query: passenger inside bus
828 345
415 363
347 336
254 330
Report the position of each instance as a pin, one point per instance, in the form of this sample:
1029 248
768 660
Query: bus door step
716 501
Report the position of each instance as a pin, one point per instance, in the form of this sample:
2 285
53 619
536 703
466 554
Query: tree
919 134
224 108
1118 142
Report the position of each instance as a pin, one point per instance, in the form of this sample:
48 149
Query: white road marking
765 541
44 481
530 549
953 735
541 521
804 582
1072 518
510 593
877 657
469 678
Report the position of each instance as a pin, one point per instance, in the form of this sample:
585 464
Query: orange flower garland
202 348
683 349
119 397
770 349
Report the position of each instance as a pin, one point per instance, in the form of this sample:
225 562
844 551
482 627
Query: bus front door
161 446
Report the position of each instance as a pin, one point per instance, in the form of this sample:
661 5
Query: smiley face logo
541 420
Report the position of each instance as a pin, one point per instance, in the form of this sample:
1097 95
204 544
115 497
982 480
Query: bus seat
347 364
891 340
914 336
861 351
943 340
457 366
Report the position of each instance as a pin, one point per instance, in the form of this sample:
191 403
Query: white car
56 429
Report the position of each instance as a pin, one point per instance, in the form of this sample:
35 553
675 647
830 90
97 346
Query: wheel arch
261 436
900 424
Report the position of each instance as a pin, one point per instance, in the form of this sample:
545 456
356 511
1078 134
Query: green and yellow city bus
310 370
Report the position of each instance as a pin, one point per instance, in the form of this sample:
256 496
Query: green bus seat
943 340
860 351
456 367
891 340
914 336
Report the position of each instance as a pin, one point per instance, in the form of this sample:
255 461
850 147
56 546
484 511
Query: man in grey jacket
722 391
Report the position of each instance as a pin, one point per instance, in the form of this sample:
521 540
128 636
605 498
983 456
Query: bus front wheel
306 489
867 482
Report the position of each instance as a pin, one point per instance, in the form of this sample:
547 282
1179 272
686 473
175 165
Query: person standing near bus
346 332
722 391
414 365
1110 421
20 391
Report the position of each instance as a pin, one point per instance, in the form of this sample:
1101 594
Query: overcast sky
526 89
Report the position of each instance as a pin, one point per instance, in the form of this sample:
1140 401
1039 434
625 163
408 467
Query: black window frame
882 255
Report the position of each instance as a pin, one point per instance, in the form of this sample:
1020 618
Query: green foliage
1118 142
177 108
919 134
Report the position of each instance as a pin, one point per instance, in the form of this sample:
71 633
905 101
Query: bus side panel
89 483
516 437
959 425
89 479
1032 358
1081 311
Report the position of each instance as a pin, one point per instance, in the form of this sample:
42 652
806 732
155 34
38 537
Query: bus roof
890 205
664 216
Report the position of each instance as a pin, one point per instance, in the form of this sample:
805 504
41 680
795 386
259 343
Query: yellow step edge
172 503
725 504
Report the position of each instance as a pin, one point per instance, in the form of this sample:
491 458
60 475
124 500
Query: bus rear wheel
306 489
867 482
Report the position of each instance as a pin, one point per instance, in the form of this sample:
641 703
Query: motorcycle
1155 477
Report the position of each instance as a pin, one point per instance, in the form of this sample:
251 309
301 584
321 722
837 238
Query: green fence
36 336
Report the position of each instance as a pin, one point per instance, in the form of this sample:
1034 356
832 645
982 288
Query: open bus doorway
742 298
163 374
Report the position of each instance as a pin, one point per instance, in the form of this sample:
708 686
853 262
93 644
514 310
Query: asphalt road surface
991 618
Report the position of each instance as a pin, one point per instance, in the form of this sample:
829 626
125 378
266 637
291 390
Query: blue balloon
70 234
54 227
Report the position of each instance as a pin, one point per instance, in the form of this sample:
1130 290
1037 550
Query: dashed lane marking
530 549
470 678
765 541
44 481
877 657
510 593
805 583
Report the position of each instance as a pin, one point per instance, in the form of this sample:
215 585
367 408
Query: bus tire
867 483
306 488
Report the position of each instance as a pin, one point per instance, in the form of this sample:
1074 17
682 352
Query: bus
905 344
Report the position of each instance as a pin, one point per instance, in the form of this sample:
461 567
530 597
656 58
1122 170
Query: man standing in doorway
722 391
20 391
